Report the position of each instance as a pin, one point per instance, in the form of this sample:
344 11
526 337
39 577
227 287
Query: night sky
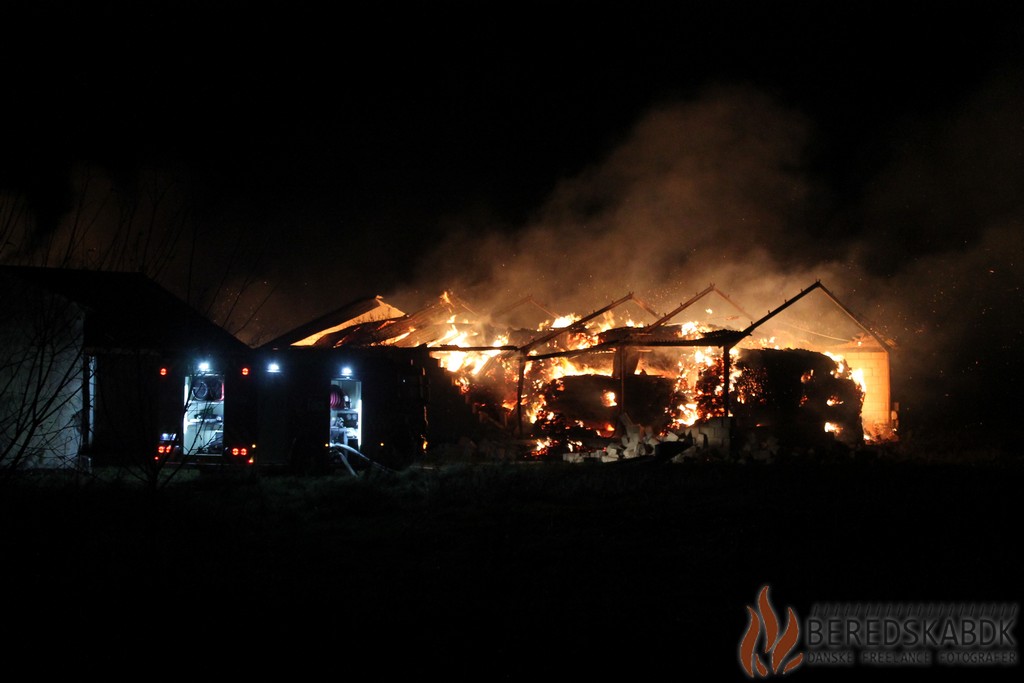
307 156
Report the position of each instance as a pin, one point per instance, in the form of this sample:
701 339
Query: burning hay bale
802 397
595 402
591 417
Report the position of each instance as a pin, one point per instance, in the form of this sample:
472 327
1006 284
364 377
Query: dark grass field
636 571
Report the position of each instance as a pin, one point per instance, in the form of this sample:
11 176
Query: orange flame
777 647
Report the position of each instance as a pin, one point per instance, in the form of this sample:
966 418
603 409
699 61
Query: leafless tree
48 380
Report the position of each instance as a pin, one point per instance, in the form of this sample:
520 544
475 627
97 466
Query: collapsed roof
372 321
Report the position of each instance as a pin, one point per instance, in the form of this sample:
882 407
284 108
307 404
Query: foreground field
512 572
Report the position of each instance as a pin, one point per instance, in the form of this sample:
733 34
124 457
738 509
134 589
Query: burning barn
133 373
607 386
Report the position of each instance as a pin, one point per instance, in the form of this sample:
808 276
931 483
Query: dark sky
560 149
388 119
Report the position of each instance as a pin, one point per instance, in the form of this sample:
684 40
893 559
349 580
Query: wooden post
519 393
726 361
622 386
727 423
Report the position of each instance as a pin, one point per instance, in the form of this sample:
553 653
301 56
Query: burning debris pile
604 386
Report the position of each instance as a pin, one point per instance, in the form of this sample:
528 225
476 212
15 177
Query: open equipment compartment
346 410
203 426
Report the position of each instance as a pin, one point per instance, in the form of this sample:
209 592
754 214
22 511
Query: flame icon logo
777 647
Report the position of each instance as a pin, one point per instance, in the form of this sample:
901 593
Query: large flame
506 373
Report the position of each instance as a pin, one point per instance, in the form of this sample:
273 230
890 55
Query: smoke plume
722 190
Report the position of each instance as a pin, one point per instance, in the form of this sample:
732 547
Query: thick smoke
700 192
721 190
942 255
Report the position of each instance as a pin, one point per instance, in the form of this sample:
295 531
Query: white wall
40 377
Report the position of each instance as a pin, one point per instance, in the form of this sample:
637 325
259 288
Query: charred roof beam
525 300
574 326
694 299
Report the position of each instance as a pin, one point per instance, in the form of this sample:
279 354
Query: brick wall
874 366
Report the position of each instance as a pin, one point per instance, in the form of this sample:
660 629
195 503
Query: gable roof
885 344
320 331
129 311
